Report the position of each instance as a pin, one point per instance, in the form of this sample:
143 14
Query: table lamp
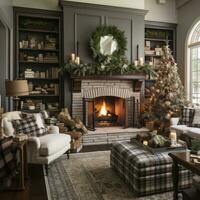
15 89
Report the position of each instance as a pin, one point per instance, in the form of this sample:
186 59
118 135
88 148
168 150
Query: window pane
195 74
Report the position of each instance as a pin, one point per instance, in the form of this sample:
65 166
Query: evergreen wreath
117 34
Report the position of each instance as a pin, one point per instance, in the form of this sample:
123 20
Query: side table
21 145
181 159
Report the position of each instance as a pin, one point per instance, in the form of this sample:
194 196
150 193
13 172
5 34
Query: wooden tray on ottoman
179 147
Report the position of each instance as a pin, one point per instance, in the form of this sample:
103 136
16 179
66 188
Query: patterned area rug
88 176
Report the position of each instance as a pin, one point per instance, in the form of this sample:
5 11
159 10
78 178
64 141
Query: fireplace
109 111
100 102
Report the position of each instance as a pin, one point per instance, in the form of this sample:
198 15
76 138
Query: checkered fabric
145 173
7 157
28 126
44 114
186 116
196 119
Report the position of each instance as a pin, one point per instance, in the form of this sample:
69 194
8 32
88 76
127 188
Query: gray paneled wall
3 63
80 20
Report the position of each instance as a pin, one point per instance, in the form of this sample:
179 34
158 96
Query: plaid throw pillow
44 114
196 119
28 126
187 116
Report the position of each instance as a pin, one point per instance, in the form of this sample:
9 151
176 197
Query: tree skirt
88 176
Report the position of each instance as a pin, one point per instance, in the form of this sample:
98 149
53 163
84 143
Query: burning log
110 117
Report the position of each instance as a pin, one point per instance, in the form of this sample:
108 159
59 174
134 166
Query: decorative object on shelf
167 94
16 88
29 73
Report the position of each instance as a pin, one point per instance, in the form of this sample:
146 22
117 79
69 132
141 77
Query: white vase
174 121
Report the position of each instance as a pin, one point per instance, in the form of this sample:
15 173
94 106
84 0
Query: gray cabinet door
126 25
85 24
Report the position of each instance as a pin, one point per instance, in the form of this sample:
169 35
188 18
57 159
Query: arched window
193 63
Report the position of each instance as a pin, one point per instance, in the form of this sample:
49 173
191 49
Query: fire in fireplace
109 111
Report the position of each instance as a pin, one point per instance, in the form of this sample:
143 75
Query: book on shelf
52 72
56 89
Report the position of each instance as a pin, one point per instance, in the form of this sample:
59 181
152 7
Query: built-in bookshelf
157 35
38 57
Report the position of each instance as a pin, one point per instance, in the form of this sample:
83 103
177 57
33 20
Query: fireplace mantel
137 76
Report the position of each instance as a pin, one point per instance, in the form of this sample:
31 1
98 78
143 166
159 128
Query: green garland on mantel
84 69
114 64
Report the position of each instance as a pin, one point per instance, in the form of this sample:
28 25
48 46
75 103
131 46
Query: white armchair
43 149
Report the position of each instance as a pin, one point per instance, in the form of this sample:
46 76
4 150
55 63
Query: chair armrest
34 141
53 130
33 146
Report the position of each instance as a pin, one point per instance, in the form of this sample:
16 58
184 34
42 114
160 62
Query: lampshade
15 88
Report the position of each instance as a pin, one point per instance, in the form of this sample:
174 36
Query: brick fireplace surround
92 87
96 88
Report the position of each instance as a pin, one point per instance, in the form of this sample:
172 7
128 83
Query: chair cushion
52 143
194 132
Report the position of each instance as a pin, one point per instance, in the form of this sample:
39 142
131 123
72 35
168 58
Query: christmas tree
167 94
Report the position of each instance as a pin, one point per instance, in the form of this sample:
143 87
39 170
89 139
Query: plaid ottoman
146 173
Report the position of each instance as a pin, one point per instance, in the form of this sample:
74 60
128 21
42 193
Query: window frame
192 41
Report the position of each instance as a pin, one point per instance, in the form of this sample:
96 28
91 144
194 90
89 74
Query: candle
173 135
141 61
151 63
73 57
136 63
145 142
77 61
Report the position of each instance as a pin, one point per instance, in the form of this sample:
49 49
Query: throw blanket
8 161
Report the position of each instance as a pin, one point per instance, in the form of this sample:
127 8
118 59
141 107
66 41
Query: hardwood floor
35 185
